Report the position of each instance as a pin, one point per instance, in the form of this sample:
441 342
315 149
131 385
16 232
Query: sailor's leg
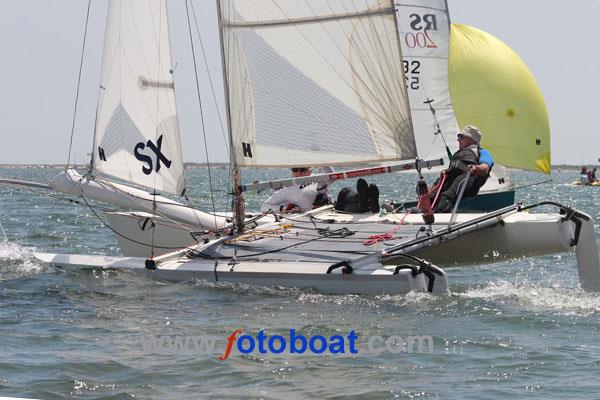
362 187
448 196
373 198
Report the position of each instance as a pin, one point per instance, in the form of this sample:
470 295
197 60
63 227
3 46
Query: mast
238 196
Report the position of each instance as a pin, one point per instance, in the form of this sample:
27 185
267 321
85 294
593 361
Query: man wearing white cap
465 162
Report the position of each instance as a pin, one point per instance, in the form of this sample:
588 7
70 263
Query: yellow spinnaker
492 88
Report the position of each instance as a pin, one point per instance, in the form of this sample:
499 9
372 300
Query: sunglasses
460 136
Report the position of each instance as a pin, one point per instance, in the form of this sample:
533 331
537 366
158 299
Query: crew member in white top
297 198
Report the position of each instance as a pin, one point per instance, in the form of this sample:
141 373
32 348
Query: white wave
412 298
17 259
246 288
567 301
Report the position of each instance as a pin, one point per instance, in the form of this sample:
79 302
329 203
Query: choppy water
517 328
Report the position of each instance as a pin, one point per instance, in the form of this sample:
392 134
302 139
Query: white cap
472 132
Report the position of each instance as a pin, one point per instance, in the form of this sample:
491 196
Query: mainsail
137 132
315 83
492 88
424 28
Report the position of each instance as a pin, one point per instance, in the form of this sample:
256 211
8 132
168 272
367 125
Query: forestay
315 83
424 28
137 133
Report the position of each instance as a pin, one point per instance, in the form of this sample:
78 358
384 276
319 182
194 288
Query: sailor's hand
292 208
480 170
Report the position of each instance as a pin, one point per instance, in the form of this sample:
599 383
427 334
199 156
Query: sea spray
16 260
555 299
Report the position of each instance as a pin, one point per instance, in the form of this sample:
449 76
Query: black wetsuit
455 175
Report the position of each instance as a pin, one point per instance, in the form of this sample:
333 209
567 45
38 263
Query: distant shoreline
219 165
85 166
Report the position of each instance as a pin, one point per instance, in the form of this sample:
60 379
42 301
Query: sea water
513 328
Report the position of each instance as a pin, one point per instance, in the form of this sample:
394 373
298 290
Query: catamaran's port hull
272 274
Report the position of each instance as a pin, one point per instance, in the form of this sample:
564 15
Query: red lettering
336 176
365 172
230 341
412 42
420 39
429 42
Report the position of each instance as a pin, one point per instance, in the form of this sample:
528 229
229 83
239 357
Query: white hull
273 274
521 234
71 182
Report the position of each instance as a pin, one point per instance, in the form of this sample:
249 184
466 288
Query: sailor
465 162
583 176
591 176
298 198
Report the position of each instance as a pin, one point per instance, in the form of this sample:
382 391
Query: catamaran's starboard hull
272 274
516 235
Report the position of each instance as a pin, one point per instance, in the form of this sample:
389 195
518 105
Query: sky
40 43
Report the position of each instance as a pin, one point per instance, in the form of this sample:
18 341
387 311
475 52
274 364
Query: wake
556 299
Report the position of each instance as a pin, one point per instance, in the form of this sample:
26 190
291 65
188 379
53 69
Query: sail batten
137 129
312 20
315 83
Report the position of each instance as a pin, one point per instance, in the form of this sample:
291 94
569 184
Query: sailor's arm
486 162
480 169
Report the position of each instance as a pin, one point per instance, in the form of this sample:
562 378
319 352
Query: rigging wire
92 207
212 197
210 80
113 230
87 18
214 95
533 184
142 206
156 122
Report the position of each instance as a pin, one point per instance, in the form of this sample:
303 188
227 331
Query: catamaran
306 83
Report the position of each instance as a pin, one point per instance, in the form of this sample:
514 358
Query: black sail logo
147 160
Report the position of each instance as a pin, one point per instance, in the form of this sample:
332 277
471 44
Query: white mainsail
315 83
424 28
137 130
